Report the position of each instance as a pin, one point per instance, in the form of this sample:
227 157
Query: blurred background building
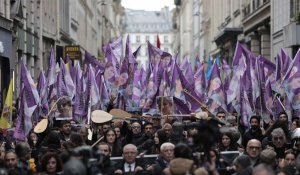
30 28
144 26
211 28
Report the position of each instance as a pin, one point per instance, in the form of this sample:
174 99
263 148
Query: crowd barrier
227 156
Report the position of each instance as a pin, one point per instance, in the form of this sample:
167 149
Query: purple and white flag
29 101
292 82
215 94
51 73
245 108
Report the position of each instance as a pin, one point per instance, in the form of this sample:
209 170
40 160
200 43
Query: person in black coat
129 164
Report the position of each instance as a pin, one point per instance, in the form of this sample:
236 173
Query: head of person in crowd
242 165
268 156
231 121
65 127
64 106
11 159
117 131
160 137
295 124
263 169
290 158
110 136
104 148
227 142
52 141
148 129
156 120
76 139
130 153
83 131
178 133
32 139
51 163
105 127
147 117
167 151
278 138
192 129
183 150
255 122
221 116
253 149
23 151
136 127
283 117
74 167
167 127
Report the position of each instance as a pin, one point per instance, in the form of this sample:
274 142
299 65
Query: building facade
31 28
264 26
6 56
143 26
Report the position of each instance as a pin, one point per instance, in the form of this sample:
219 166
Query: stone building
143 26
31 28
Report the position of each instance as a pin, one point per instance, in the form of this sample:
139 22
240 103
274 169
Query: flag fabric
233 92
200 83
245 108
215 92
43 106
180 106
103 91
89 59
29 101
67 80
5 121
51 73
292 82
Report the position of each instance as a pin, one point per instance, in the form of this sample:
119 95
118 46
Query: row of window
138 39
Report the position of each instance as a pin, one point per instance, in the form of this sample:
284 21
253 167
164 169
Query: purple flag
233 94
241 51
180 106
88 59
29 101
79 111
137 87
103 91
60 84
200 83
245 108
67 79
51 73
92 91
285 61
43 107
215 92
292 82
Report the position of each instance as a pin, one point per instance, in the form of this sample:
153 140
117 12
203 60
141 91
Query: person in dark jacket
254 132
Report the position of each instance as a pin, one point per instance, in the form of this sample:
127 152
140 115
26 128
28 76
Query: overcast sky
149 5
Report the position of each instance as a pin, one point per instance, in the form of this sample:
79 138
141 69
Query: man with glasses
253 150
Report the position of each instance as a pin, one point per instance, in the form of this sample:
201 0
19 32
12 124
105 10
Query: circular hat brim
99 116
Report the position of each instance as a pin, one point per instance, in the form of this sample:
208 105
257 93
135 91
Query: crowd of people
155 144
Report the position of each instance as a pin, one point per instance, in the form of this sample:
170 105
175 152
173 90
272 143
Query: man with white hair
129 163
164 158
